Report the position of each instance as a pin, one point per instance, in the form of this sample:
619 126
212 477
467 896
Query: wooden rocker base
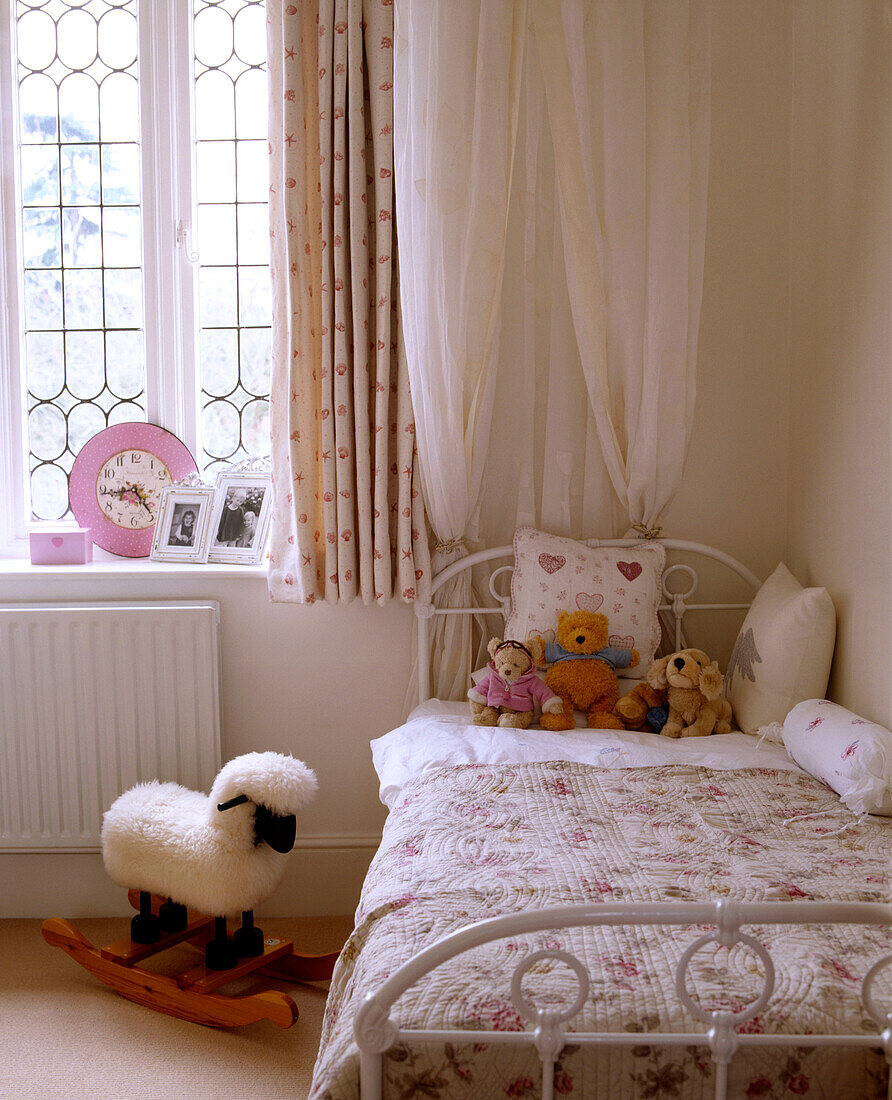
190 994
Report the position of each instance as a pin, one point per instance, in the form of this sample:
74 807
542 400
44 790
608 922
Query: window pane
40 175
41 238
84 360
83 299
232 190
46 379
38 109
216 234
43 299
81 242
78 107
120 174
80 174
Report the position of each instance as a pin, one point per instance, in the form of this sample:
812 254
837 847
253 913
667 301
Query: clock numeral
134 521
109 475
108 506
120 460
136 457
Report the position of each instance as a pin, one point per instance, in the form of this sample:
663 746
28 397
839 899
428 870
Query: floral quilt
476 841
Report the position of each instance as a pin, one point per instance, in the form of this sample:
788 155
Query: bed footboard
546 1028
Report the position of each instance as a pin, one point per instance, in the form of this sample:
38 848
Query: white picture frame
183 526
240 517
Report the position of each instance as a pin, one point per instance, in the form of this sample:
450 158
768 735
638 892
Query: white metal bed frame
375 1031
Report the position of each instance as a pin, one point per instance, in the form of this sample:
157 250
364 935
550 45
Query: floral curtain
348 518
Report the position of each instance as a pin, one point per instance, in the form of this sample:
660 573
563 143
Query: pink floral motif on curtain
348 518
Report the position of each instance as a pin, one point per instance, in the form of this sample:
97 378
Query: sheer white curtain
600 307
627 87
583 402
457 74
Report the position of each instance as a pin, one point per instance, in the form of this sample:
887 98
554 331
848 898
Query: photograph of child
182 525
249 530
232 519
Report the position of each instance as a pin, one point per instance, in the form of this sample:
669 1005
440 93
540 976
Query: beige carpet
63 1034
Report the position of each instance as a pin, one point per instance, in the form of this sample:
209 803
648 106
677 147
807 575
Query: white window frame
169 279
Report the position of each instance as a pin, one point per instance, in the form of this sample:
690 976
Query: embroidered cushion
783 651
850 754
553 574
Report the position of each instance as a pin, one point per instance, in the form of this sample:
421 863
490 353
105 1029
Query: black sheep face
276 830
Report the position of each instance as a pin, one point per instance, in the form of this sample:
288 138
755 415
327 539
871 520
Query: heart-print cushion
554 574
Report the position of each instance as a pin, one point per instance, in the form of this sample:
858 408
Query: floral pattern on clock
128 488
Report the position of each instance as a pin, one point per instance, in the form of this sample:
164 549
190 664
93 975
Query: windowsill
19 568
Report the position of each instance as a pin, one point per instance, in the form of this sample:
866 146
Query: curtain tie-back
449 546
647 532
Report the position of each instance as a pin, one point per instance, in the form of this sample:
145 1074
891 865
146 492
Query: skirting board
323 878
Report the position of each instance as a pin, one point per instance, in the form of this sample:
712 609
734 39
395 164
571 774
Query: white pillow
848 753
553 574
783 651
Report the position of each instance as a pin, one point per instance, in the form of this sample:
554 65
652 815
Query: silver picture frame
240 517
183 526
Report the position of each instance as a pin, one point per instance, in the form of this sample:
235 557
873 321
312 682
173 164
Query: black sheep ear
277 830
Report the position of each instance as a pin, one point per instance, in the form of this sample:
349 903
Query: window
123 121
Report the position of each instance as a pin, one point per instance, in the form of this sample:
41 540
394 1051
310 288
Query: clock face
128 488
116 483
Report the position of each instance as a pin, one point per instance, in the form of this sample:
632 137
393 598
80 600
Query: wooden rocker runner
190 995
218 854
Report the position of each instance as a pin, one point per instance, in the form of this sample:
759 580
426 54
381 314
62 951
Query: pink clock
116 482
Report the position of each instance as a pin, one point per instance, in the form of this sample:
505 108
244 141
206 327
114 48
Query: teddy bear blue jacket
610 655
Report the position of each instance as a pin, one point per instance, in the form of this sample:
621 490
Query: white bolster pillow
850 754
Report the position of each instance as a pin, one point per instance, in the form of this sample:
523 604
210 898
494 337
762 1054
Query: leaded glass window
78 123
138 126
232 188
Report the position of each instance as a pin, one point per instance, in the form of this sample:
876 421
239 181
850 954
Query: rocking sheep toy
212 857
220 854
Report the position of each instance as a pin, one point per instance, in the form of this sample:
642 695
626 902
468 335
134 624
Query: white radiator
95 697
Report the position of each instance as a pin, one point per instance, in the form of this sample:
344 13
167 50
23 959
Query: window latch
183 241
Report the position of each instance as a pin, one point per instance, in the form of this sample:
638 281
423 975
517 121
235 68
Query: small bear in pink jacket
507 695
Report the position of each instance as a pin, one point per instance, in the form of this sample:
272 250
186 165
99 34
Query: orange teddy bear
583 671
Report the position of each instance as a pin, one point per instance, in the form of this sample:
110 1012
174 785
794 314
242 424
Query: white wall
734 491
840 501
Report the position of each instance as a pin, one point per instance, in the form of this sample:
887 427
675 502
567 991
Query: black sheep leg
219 954
173 916
248 940
145 927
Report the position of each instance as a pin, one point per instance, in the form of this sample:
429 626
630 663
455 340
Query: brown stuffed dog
694 684
583 671
633 708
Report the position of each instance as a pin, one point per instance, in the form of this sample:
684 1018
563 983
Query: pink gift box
69 547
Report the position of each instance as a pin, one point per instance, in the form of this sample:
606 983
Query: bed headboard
677 602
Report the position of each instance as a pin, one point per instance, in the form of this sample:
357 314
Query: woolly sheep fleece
174 842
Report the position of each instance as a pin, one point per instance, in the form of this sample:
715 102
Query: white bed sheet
439 733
